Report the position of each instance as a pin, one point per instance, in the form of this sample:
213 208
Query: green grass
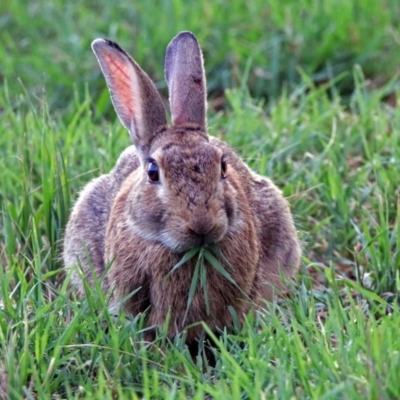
327 136
50 40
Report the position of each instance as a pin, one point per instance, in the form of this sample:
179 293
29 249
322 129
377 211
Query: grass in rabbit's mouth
207 255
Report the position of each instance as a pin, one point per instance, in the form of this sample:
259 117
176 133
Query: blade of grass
186 257
203 284
192 289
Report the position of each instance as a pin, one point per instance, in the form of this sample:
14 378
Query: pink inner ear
179 117
119 76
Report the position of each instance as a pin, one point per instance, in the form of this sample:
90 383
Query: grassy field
306 91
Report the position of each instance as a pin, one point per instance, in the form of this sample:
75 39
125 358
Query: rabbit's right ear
186 80
135 98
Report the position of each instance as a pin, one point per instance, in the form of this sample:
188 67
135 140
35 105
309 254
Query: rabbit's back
85 232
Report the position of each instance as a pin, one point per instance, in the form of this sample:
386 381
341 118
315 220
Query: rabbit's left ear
135 98
184 73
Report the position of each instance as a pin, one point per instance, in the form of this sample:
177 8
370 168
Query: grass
50 40
328 135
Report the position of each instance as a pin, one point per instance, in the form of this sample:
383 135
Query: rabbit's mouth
199 240
184 241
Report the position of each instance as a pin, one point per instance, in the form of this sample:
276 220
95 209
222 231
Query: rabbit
175 188
4 387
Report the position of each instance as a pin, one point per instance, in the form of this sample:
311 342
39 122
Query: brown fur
143 228
4 393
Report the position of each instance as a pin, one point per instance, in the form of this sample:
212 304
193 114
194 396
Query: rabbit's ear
184 73
135 98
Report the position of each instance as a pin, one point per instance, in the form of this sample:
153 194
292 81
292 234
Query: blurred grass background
45 44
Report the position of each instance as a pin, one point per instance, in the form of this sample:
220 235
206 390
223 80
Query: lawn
306 92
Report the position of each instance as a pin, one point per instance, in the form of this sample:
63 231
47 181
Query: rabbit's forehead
191 170
201 157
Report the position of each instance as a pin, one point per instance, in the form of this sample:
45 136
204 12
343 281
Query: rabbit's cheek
230 209
230 203
176 244
146 217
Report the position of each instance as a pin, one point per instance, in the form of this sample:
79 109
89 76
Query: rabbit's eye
223 168
152 172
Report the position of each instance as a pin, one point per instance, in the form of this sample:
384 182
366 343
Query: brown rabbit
4 388
177 188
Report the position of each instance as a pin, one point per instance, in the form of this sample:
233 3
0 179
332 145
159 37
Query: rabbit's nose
202 227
